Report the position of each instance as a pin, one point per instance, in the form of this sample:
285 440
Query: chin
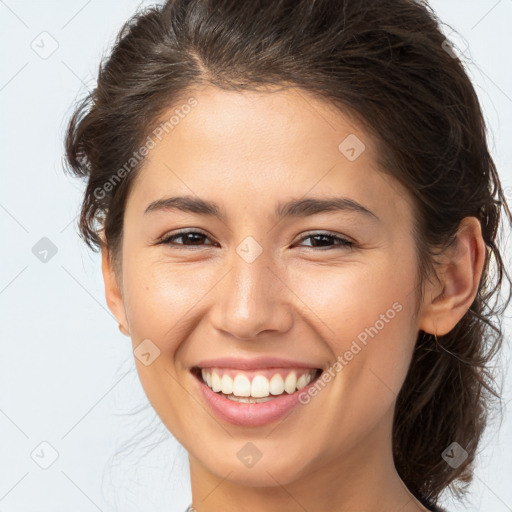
273 472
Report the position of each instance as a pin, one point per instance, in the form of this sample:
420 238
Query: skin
247 152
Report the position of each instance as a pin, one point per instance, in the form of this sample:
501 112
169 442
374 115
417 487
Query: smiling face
260 278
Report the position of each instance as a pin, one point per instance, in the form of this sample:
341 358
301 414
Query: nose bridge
251 276
251 297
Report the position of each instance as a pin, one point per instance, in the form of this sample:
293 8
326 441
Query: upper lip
254 363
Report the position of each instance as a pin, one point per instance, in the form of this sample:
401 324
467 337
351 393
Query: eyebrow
294 208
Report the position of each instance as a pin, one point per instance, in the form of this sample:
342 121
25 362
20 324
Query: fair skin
247 152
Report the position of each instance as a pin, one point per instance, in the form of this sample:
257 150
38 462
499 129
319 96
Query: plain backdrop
75 429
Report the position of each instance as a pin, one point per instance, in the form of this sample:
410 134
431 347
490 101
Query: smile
253 398
238 384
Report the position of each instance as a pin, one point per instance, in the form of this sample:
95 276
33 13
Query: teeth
216 385
241 385
249 400
290 383
259 388
227 385
302 381
276 385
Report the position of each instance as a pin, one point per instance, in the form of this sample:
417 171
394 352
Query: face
276 287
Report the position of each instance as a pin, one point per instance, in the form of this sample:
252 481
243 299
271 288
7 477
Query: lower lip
250 415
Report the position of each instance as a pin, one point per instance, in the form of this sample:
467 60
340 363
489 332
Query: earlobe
123 330
459 274
113 293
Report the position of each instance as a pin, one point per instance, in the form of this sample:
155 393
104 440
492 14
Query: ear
460 270
113 293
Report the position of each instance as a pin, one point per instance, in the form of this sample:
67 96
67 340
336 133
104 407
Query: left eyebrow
294 208
312 206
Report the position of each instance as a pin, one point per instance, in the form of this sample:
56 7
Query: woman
298 213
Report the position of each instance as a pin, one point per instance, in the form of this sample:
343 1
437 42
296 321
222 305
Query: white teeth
241 385
290 383
260 387
227 384
250 399
302 381
216 385
276 385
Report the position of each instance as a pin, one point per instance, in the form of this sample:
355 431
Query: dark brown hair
389 64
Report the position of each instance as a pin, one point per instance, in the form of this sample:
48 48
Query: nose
252 299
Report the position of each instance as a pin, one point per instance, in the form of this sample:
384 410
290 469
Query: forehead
266 144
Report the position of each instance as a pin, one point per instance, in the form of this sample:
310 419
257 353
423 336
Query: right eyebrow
187 204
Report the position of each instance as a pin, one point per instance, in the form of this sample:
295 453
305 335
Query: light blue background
67 375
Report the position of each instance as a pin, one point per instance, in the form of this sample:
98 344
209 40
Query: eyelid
343 241
185 231
321 232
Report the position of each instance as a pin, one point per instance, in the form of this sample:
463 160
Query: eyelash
342 242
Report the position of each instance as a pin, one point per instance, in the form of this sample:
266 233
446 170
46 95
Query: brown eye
327 241
189 238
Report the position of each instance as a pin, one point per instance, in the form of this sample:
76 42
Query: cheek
339 302
365 313
160 297
352 296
